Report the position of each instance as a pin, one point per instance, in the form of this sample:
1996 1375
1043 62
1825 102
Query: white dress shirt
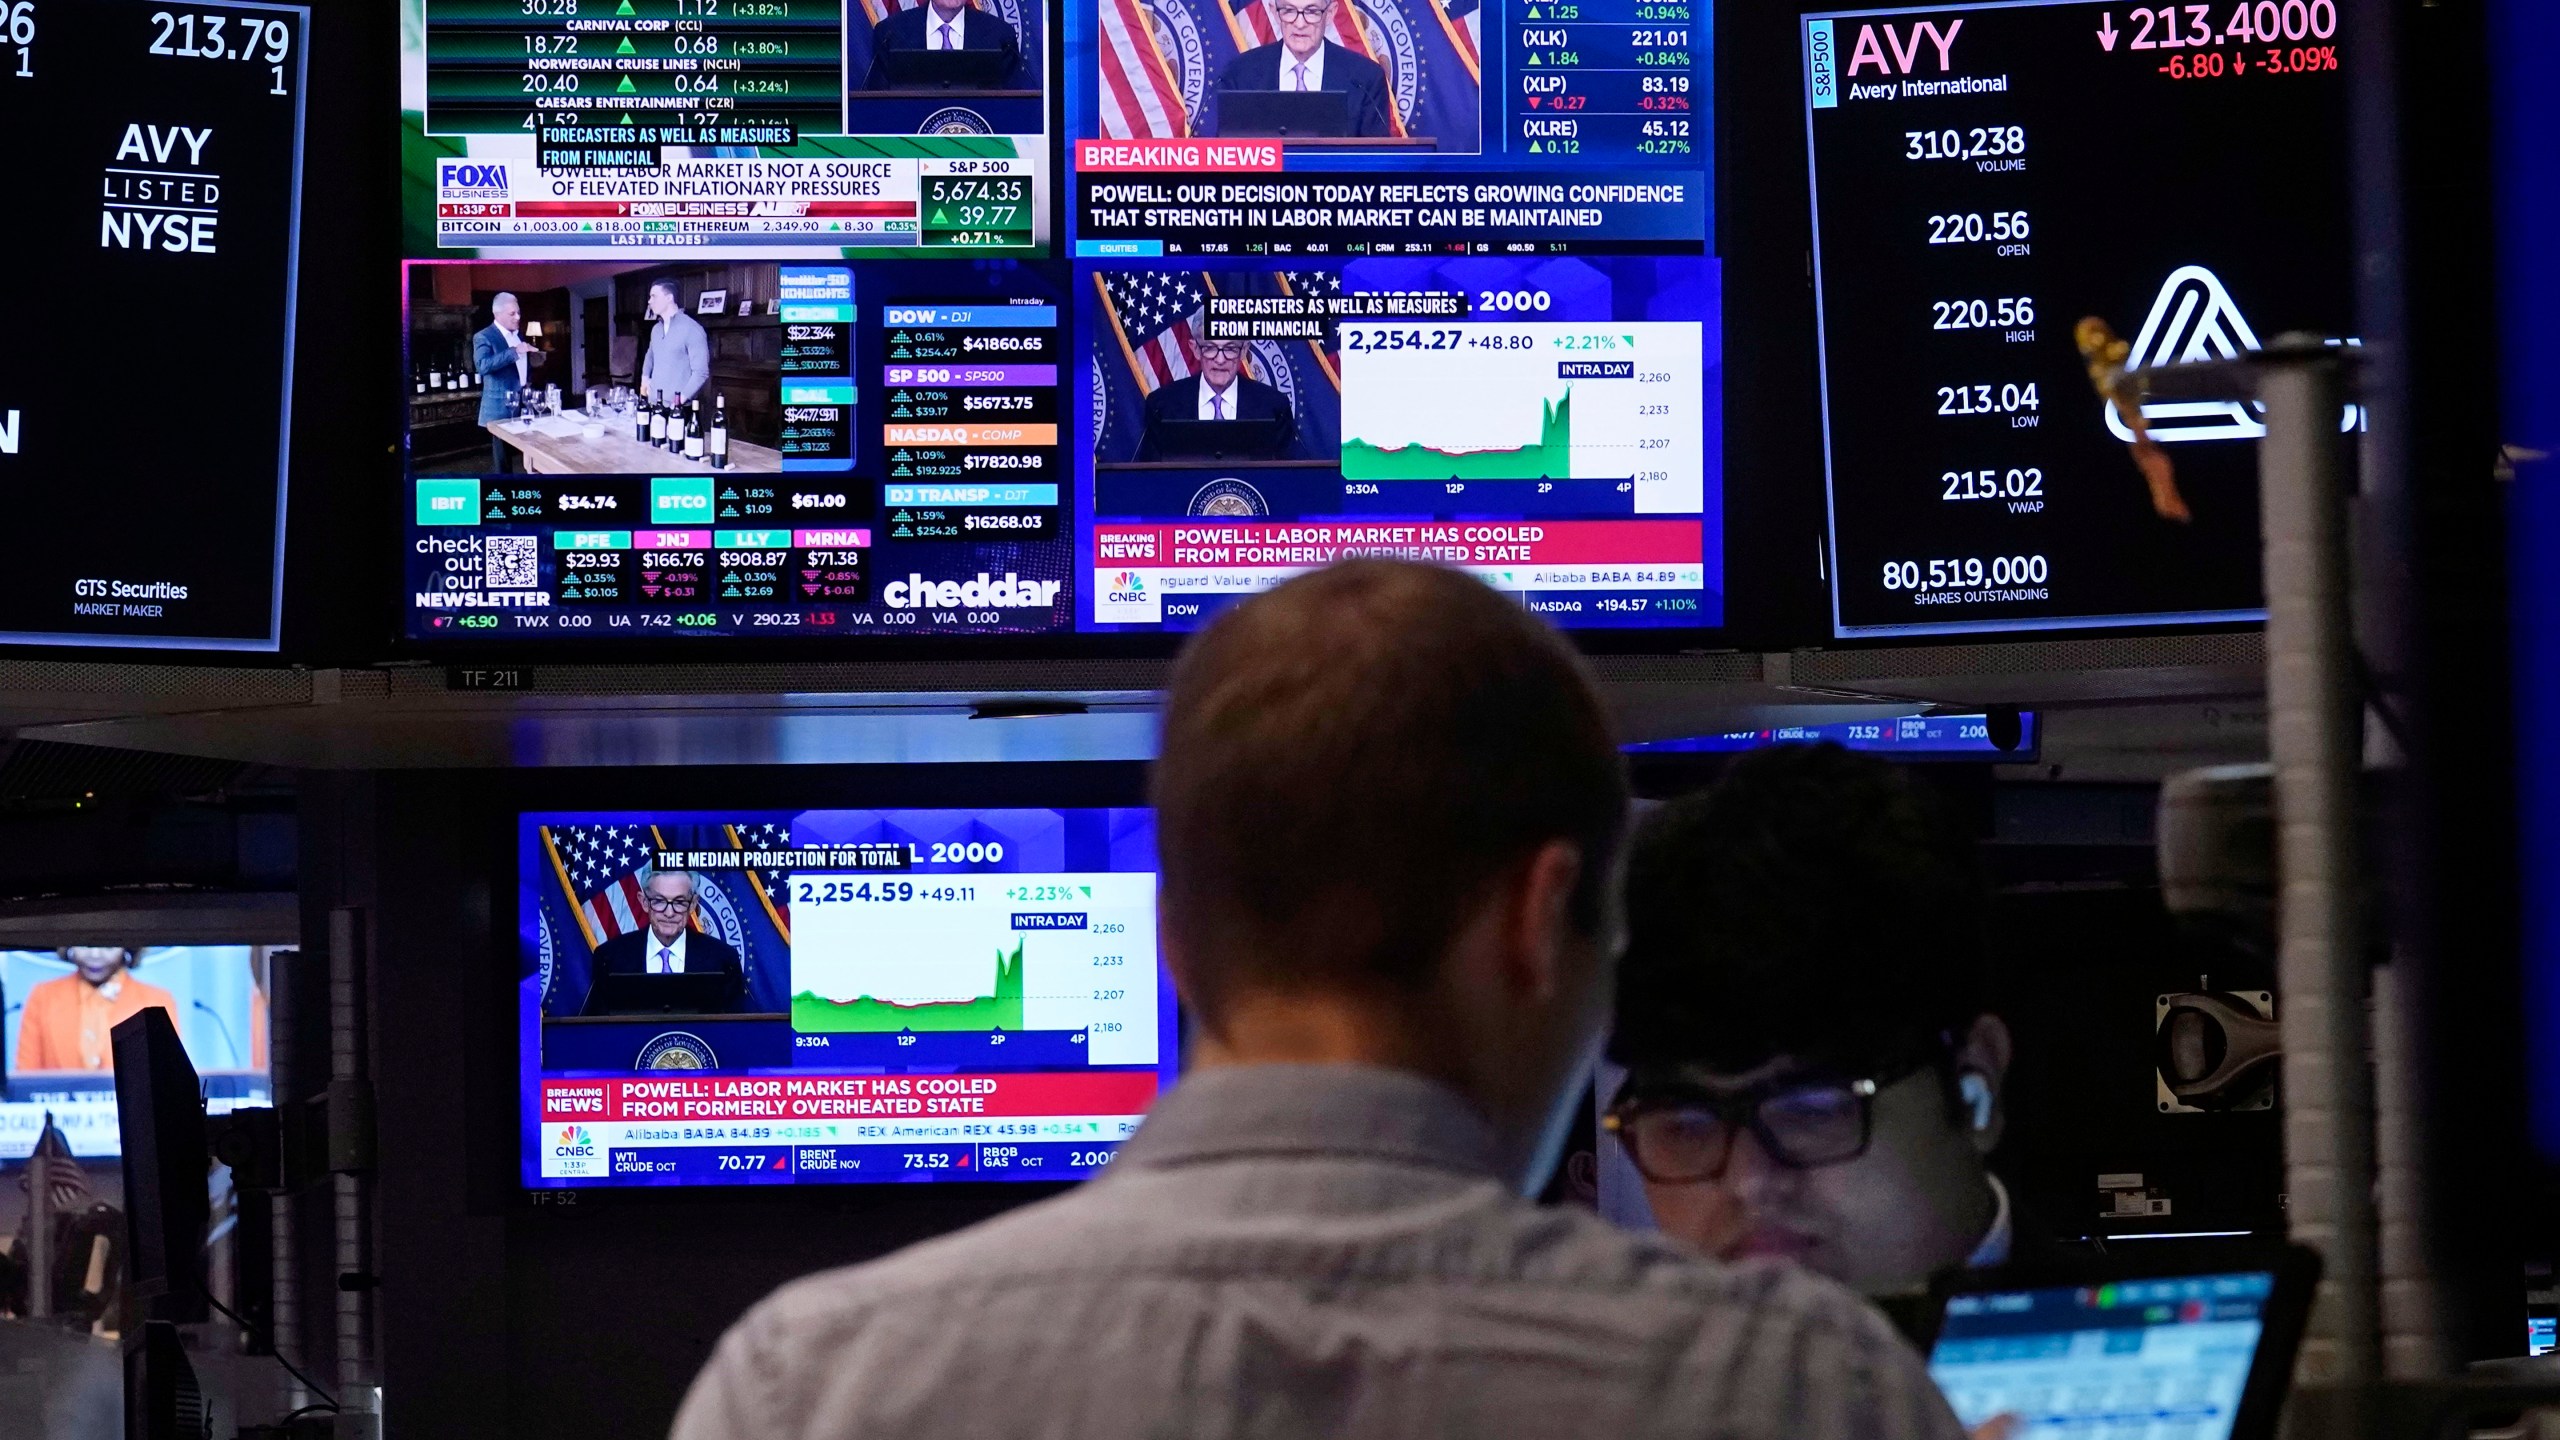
672 963
950 34
1225 406
523 378
1289 64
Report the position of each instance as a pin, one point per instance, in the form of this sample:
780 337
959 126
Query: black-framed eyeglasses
1679 1133
668 904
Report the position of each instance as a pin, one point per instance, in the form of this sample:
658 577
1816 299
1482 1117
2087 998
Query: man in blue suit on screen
505 363
938 26
668 944
1303 60
1220 391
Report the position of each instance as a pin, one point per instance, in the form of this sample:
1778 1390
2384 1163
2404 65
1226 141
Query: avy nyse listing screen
155 173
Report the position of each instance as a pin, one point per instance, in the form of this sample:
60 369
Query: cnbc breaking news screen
836 996
1552 426
1389 127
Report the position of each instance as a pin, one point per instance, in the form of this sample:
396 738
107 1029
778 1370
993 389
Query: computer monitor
2168 1353
947 69
167 1163
215 996
1285 113
1239 439
836 996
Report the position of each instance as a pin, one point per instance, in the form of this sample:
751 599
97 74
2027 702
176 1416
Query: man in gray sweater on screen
1389 812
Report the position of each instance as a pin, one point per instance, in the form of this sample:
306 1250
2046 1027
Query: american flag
1470 32
1319 285
1139 98
1152 311
600 867
773 887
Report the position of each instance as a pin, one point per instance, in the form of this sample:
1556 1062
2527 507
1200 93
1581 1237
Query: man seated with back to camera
1389 812
1813 1072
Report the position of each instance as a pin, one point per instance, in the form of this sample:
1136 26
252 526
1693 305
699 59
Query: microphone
238 1060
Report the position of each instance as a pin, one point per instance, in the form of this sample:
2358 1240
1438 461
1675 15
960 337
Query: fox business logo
470 180
984 593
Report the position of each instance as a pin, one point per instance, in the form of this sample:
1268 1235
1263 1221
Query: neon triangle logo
2195 319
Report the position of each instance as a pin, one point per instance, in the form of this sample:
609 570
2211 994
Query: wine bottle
720 432
657 425
639 422
675 427
435 375
693 430
420 378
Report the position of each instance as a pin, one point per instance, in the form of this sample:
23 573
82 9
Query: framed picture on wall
713 302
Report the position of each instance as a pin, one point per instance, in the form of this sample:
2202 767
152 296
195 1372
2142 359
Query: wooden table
616 453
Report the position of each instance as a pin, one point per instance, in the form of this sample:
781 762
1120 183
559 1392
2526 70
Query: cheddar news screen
826 997
1389 127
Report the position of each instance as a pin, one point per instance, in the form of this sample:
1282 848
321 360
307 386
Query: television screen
156 192
614 451
60 1005
1984 179
591 128
1902 737
1390 127
836 996
1553 426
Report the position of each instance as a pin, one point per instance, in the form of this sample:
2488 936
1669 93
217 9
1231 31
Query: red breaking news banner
1546 542
1097 155
843 1097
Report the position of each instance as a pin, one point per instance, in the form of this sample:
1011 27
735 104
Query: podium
625 1043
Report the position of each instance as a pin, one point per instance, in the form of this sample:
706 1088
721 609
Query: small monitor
167 1162
948 69
1286 113
1241 439
2198 1354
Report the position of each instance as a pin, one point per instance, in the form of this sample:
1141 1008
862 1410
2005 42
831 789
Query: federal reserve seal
1227 499
955 120
677 1050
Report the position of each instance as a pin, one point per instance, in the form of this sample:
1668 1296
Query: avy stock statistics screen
156 183
1985 176
837 996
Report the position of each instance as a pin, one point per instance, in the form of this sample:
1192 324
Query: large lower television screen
60 1006
778 997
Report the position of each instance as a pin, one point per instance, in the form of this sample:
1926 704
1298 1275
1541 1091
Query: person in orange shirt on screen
67 1019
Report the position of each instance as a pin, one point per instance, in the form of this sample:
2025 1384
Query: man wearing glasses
668 944
1813 1074
1218 391
1302 61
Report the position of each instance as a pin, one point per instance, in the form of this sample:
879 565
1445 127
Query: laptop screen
2166 1358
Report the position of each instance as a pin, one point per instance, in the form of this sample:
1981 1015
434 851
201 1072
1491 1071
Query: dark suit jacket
1344 70
497 366
629 955
906 30
1180 400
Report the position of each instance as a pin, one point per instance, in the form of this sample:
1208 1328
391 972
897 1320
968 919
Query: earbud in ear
1976 1091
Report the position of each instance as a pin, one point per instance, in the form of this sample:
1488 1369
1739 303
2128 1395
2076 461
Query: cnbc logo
1128 585
469 180
573 1154
576 1140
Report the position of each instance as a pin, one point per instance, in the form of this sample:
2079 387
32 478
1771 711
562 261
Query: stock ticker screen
157 181
836 996
1389 127
597 127
1984 177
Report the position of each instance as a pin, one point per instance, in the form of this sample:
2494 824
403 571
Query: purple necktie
1217 407
946 36
666 960
1302 74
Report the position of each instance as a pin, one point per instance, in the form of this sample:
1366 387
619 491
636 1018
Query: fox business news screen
1552 426
1389 127
829 997
61 1007
596 127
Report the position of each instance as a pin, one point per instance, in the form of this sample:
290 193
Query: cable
308 1383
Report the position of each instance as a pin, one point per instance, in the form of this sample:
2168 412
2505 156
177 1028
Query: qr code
512 562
